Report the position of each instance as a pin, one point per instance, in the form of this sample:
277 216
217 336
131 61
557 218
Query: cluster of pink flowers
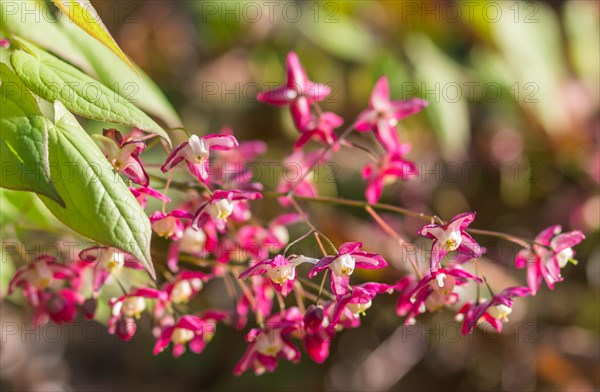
213 232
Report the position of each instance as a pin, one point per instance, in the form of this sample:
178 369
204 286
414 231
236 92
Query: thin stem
401 241
371 154
299 294
315 287
281 303
297 240
321 288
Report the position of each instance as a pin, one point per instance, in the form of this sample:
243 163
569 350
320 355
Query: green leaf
55 80
69 42
98 203
23 139
85 16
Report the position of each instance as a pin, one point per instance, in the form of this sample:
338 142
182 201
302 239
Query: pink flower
220 207
271 343
280 270
129 307
295 177
383 115
494 310
60 306
186 285
262 295
259 241
343 264
123 154
317 338
191 330
452 237
108 262
432 293
193 242
142 193
319 127
298 92
546 263
169 225
195 153
391 167
357 301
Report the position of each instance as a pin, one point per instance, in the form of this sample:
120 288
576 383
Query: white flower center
564 256
195 151
192 241
42 275
451 240
112 260
133 306
359 308
165 227
269 344
220 209
343 265
280 274
182 291
182 335
499 312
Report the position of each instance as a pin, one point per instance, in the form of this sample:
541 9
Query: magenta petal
380 97
220 142
163 340
280 96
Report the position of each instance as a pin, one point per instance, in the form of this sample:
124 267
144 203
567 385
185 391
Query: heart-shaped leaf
85 16
98 203
55 80
23 139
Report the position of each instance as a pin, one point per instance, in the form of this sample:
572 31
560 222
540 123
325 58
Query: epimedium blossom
261 303
383 115
196 151
355 301
141 195
343 264
551 252
452 236
169 225
220 206
317 338
127 308
390 168
186 285
107 262
193 331
271 343
280 270
432 292
258 241
494 311
296 177
39 275
298 92
320 127
123 155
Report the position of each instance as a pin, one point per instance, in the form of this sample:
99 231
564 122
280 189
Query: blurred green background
512 132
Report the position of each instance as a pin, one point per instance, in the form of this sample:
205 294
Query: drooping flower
141 195
317 338
280 270
494 311
39 275
272 342
195 153
259 241
123 155
298 92
194 331
452 237
383 115
296 177
391 167
357 300
220 207
129 307
169 225
107 262
343 264
546 263
431 293
261 304
186 285
319 127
